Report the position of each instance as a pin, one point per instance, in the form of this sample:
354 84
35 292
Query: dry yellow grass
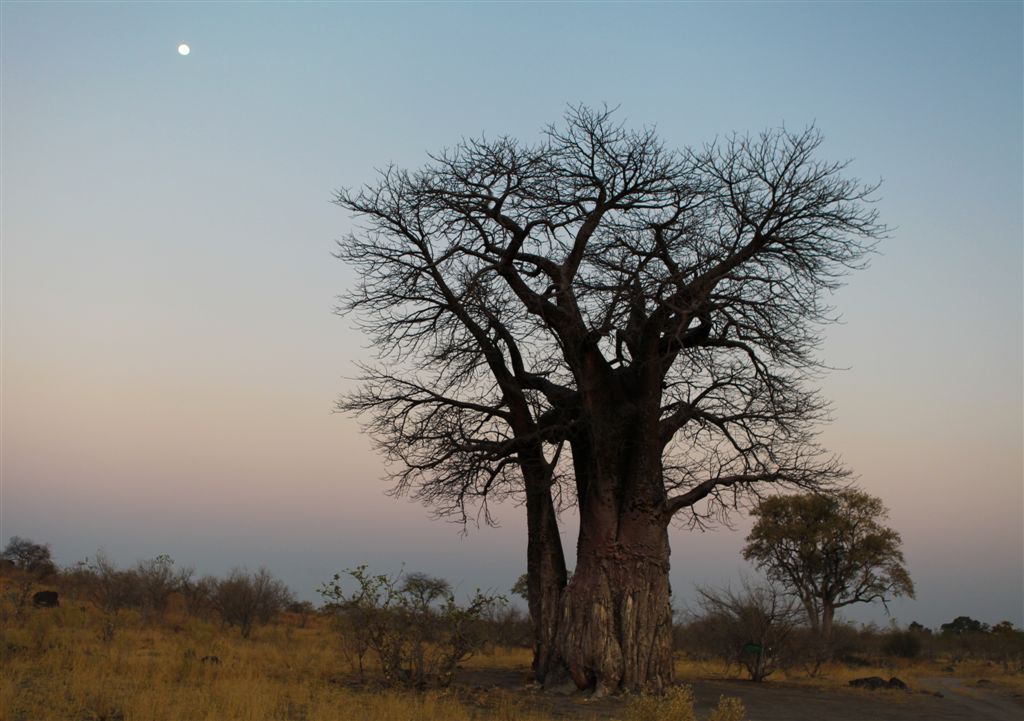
57 665
500 657
60 664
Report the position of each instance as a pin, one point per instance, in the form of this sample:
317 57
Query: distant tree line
242 599
410 624
759 638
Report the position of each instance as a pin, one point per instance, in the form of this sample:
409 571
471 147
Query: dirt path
983 703
778 701
783 702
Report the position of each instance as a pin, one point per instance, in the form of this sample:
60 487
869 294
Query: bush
112 589
507 626
27 563
728 709
902 644
752 627
157 581
197 594
29 557
675 705
246 600
1008 647
415 629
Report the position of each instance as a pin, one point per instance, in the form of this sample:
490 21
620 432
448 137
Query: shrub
246 600
752 627
902 644
728 709
29 557
676 704
112 589
507 626
415 629
197 594
156 582
30 563
1008 647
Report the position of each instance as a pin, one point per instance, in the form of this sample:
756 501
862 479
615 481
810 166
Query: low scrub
676 704
411 626
56 664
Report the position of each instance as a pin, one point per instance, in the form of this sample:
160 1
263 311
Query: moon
184 49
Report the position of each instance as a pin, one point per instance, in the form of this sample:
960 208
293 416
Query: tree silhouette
598 320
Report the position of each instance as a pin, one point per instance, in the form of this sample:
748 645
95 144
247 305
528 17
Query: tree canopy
830 551
492 277
29 556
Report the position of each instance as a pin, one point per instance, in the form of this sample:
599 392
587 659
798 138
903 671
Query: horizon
170 359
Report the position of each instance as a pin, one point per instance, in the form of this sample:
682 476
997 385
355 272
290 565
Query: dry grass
60 664
57 665
501 657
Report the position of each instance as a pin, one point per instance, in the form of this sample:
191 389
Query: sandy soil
778 701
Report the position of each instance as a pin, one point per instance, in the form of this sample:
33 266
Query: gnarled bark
616 626
546 576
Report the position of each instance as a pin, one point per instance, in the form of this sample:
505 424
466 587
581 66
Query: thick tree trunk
616 626
546 578
615 632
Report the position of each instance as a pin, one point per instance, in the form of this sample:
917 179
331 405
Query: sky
170 358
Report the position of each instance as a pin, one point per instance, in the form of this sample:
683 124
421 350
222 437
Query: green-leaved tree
830 551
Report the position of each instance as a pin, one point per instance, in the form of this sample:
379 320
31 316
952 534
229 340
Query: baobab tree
597 317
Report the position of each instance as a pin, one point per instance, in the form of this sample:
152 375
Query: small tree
33 562
751 626
197 593
112 589
1008 646
29 556
417 631
829 551
157 581
423 591
246 600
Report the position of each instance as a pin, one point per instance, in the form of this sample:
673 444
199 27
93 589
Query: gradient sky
170 358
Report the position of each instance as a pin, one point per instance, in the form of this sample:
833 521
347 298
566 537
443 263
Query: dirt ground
938 699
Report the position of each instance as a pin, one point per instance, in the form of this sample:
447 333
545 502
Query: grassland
74 662
64 663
